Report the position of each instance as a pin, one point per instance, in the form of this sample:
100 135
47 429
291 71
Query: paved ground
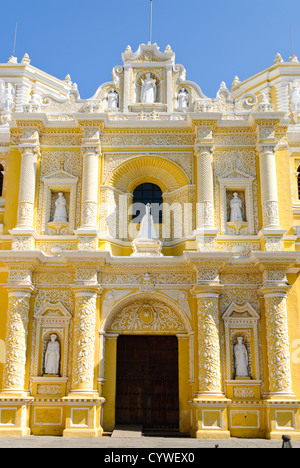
139 442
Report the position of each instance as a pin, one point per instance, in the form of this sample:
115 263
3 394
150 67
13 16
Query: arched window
1 179
298 179
144 194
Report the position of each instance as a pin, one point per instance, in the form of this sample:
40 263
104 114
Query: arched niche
147 313
242 320
127 175
117 195
51 319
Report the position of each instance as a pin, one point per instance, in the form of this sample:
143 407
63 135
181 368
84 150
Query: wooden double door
147 381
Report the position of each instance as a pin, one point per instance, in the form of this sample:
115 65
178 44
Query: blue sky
214 40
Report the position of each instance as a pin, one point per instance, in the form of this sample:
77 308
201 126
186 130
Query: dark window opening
1 179
144 194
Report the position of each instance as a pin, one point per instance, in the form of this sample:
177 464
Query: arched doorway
148 364
147 390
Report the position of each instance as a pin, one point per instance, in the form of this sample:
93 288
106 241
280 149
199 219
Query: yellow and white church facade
194 329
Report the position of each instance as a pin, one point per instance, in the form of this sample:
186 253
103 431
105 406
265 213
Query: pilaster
14 396
24 232
91 152
210 403
266 126
84 404
206 231
282 407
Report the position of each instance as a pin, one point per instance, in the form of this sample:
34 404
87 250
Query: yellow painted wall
284 189
3 319
109 388
12 191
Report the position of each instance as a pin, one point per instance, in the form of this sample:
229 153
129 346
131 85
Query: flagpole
15 39
292 42
150 34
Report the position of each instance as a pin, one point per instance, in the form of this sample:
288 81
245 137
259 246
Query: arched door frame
109 334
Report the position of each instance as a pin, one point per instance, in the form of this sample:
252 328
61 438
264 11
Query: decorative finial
265 103
236 81
278 58
13 59
293 59
68 80
26 60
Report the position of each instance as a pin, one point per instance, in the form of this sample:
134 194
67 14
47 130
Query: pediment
148 53
59 175
241 311
57 310
237 174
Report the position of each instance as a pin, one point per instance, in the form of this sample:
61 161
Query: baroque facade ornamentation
76 177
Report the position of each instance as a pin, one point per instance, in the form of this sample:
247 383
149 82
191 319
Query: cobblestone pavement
141 442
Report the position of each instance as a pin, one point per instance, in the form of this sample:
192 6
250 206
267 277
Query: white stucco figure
9 98
295 96
147 230
148 93
52 356
241 360
183 98
2 91
7 102
113 99
60 215
236 209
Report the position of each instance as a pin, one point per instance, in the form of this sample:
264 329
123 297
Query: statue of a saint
52 356
60 215
148 93
183 98
9 96
113 99
147 230
241 360
236 209
295 96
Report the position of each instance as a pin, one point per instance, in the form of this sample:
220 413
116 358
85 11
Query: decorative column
209 400
209 363
269 195
271 233
16 341
277 339
84 340
14 394
84 403
281 404
91 151
205 187
30 151
206 231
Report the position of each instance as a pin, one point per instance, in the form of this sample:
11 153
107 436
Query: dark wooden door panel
147 381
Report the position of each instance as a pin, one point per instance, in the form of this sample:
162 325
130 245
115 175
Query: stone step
122 432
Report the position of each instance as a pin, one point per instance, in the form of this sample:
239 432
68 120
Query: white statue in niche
60 215
295 96
52 356
9 96
147 230
113 99
183 98
236 209
241 360
148 93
